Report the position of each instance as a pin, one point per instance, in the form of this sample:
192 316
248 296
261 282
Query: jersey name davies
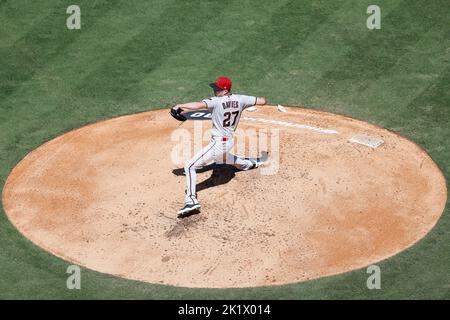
230 104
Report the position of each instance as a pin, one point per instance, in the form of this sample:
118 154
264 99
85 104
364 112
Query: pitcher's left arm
191 106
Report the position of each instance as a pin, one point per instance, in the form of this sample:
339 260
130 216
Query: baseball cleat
188 209
259 161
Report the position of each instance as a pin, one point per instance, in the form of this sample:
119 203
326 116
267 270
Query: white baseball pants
216 150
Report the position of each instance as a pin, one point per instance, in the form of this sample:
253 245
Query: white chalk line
291 124
367 141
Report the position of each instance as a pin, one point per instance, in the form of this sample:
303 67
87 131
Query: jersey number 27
227 118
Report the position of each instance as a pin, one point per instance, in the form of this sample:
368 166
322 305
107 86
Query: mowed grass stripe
46 96
318 53
98 39
31 51
19 17
251 57
70 56
36 94
205 56
368 59
52 97
390 95
431 119
162 37
36 48
287 27
381 49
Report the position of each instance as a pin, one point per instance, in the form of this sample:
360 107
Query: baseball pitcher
226 109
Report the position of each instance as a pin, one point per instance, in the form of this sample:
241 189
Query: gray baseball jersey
226 112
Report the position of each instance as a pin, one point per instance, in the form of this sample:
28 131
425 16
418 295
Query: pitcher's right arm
260 101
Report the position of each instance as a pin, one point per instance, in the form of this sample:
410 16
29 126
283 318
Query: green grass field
131 56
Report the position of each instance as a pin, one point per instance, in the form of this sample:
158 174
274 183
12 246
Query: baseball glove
176 113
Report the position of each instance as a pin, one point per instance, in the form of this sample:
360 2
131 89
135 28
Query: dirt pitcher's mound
105 196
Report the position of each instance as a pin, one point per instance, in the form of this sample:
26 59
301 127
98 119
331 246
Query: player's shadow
221 174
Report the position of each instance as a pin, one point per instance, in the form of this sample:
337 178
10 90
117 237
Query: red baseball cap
222 83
